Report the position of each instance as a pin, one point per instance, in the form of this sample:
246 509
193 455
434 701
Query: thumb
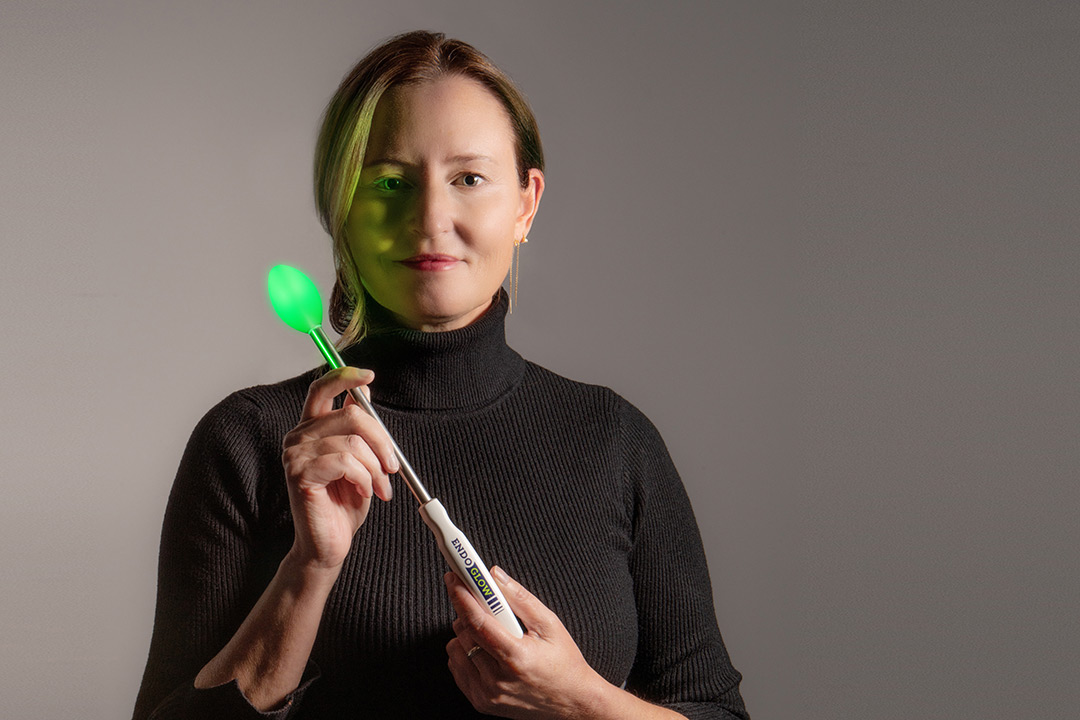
362 388
536 616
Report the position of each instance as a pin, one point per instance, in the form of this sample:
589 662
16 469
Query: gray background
830 249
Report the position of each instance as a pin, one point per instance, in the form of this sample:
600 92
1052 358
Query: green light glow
295 298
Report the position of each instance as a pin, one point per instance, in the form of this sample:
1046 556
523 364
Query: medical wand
297 302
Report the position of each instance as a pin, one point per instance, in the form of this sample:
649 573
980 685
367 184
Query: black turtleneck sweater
567 486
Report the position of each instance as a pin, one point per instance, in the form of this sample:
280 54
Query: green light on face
295 298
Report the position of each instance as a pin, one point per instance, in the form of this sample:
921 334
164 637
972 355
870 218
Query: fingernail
499 574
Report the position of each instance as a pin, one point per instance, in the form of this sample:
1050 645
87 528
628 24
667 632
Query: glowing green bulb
296 301
295 298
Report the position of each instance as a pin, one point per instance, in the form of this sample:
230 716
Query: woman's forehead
450 117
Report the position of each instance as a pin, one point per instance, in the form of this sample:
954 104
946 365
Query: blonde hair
342 142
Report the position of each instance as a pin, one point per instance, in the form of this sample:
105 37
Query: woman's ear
530 203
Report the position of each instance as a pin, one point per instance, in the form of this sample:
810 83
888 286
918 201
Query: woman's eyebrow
384 161
468 158
451 160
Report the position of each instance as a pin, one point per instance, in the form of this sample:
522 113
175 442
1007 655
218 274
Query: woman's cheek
371 230
370 216
491 223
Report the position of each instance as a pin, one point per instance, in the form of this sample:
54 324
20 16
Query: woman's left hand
541 675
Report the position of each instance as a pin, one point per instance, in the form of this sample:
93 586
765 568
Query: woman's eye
390 184
471 179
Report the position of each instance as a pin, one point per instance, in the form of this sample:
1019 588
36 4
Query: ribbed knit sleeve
681 660
216 557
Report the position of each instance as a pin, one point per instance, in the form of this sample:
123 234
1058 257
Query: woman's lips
430 262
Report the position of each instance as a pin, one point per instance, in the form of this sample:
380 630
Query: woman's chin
438 317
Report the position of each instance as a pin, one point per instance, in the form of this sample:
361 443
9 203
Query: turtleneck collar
456 369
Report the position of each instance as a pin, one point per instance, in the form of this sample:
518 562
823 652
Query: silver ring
473 650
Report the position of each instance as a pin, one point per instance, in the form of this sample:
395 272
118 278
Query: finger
350 420
465 638
488 669
464 603
325 469
350 400
458 651
466 673
464 634
473 668
321 393
538 618
476 623
362 451
373 433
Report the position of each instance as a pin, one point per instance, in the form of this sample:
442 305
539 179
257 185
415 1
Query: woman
285 591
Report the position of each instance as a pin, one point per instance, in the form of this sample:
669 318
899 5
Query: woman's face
439 203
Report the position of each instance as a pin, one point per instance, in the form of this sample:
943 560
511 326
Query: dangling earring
515 267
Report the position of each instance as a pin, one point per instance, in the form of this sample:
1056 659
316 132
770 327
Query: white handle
464 560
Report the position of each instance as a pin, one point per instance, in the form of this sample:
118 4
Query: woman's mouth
430 262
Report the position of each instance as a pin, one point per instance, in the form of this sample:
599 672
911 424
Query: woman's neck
455 369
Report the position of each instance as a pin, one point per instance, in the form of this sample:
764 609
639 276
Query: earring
515 267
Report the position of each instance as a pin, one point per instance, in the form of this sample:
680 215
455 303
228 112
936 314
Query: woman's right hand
335 460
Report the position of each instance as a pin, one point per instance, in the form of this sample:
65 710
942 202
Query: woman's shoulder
285 394
551 381
270 406
590 398
232 459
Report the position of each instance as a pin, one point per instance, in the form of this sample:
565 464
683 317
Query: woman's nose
432 213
